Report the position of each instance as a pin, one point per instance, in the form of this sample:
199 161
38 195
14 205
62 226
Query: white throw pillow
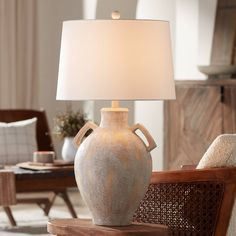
17 141
221 153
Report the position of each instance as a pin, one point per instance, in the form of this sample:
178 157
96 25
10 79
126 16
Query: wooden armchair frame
190 202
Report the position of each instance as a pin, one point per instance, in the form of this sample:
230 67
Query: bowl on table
44 156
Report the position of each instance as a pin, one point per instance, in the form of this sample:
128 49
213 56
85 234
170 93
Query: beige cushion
17 141
221 153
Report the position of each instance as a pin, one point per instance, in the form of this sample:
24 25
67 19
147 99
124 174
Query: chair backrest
7 188
190 202
44 140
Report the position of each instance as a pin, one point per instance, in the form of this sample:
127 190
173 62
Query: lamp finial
115 15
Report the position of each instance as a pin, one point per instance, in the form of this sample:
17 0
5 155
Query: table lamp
114 60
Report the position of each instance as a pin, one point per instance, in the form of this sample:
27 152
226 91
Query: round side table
79 227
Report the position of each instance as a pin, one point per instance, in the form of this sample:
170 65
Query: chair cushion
221 153
17 141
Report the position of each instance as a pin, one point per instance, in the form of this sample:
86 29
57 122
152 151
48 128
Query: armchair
190 202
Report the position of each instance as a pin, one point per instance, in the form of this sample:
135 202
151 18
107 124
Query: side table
79 227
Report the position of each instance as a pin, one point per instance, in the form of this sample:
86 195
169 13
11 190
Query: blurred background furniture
202 110
190 202
56 181
7 193
34 181
44 140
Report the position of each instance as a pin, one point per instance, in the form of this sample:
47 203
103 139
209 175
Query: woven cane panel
186 208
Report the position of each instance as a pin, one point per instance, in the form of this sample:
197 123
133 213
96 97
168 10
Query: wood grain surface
201 111
79 227
229 109
7 188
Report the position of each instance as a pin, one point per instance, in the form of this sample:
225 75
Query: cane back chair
190 202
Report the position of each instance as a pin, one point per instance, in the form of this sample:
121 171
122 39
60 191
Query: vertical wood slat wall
202 111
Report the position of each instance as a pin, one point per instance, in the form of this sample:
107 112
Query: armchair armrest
190 202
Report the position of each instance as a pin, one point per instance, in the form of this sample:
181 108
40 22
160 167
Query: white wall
186 39
89 9
194 33
150 114
206 21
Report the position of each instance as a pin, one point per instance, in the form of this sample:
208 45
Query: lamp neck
115 104
114 118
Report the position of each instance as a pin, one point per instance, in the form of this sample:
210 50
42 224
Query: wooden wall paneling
226 3
229 109
191 123
202 110
224 37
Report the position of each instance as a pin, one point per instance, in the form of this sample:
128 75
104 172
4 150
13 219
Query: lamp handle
80 135
151 142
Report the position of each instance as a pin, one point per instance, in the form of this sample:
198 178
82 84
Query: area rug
32 221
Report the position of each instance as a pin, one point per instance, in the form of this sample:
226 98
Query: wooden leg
66 198
43 203
48 206
9 215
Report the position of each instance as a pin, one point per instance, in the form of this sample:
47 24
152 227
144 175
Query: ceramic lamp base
113 167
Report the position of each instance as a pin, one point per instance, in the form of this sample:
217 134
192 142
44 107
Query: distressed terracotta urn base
113 167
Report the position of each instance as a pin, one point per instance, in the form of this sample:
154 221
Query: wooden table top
43 180
22 173
82 227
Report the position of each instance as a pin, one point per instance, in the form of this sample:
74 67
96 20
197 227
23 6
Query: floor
32 221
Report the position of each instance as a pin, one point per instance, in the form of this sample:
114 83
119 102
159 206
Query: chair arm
225 174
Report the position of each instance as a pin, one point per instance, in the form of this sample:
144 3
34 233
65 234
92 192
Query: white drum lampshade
114 60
